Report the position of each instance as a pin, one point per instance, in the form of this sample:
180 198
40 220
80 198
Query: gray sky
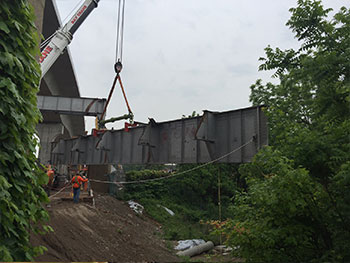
179 56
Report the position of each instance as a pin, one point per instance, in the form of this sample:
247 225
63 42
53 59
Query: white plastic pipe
196 250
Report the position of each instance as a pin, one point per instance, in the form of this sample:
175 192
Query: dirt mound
110 231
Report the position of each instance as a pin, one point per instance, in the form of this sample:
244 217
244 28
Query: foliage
309 110
296 207
152 189
21 193
283 216
197 189
183 225
192 196
145 174
200 187
194 114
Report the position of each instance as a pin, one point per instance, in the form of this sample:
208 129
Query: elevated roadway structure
60 80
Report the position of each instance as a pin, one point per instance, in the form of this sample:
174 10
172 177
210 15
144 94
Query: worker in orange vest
50 174
77 180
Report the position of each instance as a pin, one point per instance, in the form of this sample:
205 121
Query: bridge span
229 137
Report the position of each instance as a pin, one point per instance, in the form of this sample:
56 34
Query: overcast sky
179 56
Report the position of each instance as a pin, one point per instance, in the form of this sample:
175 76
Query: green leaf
10 59
19 65
4 27
5 254
4 183
20 191
6 82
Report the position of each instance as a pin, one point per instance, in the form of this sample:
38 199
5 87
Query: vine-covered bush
197 188
151 189
21 194
192 194
145 174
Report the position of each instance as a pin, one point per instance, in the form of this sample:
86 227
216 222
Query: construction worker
77 180
50 173
84 185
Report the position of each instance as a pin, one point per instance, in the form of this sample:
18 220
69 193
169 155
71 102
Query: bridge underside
228 137
59 81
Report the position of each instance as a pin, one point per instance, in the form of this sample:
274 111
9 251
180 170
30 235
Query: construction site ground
107 230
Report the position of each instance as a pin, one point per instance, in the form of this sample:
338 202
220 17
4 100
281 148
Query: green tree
283 217
21 194
297 204
309 110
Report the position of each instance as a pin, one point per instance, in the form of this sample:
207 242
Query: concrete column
47 133
39 6
99 172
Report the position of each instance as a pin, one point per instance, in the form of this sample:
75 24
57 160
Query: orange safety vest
77 180
50 173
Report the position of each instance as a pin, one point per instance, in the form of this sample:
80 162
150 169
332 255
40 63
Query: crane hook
118 67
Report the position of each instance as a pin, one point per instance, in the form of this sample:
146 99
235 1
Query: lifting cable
64 187
178 173
120 32
118 66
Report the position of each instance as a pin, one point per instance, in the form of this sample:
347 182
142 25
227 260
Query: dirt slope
110 231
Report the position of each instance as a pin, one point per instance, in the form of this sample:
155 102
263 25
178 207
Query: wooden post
219 198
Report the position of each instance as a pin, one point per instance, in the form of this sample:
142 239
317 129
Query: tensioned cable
176 174
64 21
59 191
120 31
118 26
47 40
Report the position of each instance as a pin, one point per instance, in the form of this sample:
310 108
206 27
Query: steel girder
71 106
190 140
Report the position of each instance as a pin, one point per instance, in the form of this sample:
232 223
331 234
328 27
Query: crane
56 45
58 42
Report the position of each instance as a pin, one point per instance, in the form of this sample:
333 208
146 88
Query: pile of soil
108 231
